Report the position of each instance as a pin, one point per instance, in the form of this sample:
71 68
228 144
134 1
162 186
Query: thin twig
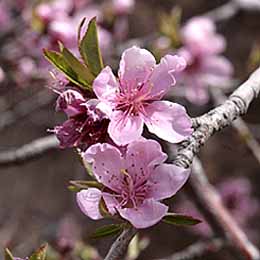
223 12
198 249
240 125
218 118
119 247
28 151
209 202
25 108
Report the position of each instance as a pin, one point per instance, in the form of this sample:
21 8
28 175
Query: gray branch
119 247
240 126
218 118
199 249
25 108
209 203
28 151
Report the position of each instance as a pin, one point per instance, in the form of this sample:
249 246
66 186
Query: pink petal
196 89
199 35
124 129
70 102
166 180
111 202
88 201
141 157
146 215
217 65
162 77
106 86
168 121
135 67
67 133
107 164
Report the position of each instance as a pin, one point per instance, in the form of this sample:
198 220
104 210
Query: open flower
205 65
86 124
134 182
134 98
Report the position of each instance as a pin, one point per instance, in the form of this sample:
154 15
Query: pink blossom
201 50
64 29
85 125
134 99
123 6
135 181
53 10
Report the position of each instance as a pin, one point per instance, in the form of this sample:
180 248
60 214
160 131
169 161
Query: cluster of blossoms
43 24
107 125
205 66
59 20
201 46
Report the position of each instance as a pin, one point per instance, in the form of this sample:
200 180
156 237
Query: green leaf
180 220
81 70
79 185
89 48
8 255
57 59
108 230
40 254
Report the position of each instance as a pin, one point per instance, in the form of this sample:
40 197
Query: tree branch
28 151
25 108
223 12
209 203
240 126
218 118
198 249
119 247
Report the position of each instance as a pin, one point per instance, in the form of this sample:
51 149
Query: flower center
132 196
132 99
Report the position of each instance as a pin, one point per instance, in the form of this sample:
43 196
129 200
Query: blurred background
35 203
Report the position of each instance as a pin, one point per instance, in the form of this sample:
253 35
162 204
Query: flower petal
125 129
135 67
107 164
68 133
166 180
106 86
141 156
146 215
199 35
196 89
70 102
168 121
162 77
88 201
111 202
216 65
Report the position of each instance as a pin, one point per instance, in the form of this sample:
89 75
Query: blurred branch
198 249
119 247
231 8
223 12
28 151
25 108
218 118
240 125
209 203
